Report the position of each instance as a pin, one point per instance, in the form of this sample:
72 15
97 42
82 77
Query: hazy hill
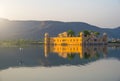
36 29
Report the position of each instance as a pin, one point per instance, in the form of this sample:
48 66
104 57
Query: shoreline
42 43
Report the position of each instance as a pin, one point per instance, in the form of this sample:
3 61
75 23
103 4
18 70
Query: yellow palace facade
64 39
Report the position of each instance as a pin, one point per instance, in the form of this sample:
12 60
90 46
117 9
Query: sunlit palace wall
64 39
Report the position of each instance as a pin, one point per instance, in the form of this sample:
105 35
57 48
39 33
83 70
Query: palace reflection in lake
53 55
69 51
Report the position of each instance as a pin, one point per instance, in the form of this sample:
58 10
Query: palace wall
64 39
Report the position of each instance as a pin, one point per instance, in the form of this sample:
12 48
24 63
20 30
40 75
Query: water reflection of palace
69 51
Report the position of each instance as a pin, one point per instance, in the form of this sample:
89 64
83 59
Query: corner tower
47 39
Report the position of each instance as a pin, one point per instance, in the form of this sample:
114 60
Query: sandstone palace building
65 39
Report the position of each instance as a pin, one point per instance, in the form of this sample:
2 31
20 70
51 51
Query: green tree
97 33
86 32
71 33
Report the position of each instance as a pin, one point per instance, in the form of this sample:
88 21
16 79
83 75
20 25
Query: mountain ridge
33 29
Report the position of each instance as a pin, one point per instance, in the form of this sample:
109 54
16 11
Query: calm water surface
60 63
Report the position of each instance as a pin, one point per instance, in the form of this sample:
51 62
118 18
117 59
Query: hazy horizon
101 13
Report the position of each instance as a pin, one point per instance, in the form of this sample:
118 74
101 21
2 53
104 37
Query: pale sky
102 13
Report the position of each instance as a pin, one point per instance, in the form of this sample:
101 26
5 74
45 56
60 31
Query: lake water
60 63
